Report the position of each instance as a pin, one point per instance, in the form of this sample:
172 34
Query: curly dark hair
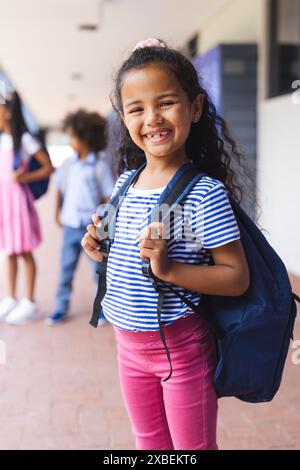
89 127
209 145
17 122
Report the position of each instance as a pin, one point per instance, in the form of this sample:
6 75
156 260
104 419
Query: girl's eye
167 103
163 105
135 110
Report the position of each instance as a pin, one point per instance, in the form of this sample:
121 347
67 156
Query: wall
278 177
238 21
278 161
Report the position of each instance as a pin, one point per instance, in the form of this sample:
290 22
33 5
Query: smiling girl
167 120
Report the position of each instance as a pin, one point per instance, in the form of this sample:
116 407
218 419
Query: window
284 46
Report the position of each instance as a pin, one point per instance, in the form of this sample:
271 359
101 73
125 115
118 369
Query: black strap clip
105 246
146 268
147 272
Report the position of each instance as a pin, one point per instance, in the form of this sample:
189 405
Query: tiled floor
59 387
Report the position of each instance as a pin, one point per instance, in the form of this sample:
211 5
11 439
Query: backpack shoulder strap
109 221
176 190
125 186
111 209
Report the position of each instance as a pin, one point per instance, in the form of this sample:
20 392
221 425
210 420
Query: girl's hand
91 242
155 248
20 176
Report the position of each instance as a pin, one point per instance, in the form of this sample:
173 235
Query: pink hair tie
150 42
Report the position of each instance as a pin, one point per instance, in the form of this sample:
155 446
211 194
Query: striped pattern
207 221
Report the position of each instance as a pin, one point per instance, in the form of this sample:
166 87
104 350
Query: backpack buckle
147 272
105 246
146 269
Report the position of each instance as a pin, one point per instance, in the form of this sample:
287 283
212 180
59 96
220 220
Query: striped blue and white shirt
130 301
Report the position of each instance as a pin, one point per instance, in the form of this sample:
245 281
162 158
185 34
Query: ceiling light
88 27
76 76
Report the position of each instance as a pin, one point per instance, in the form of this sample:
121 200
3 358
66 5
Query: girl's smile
158 135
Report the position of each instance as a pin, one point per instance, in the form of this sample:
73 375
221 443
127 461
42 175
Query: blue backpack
253 330
39 187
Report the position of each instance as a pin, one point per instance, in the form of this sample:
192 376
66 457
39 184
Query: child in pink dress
20 230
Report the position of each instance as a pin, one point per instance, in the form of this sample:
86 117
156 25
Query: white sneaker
25 311
6 306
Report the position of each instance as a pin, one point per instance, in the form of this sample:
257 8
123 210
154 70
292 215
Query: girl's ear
197 107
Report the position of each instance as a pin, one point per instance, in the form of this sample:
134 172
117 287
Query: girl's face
157 111
4 117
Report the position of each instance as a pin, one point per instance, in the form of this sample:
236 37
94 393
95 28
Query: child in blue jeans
83 182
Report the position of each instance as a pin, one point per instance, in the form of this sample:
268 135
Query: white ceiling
41 46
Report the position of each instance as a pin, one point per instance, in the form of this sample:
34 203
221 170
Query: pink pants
180 413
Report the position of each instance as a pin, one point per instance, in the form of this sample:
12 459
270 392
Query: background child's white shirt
29 145
103 173
83 184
